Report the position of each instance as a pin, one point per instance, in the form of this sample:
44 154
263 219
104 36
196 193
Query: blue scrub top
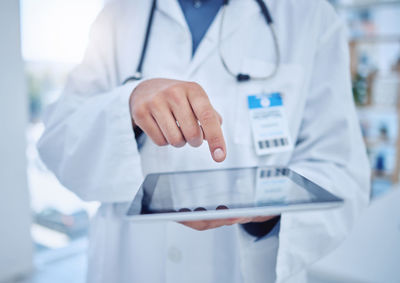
199 15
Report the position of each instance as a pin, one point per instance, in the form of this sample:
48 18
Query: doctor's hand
212 224
177 112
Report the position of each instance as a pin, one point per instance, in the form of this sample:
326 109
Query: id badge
269 123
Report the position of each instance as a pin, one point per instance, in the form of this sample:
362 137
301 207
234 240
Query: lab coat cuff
123 110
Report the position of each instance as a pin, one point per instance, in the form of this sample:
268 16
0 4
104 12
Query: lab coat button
174 254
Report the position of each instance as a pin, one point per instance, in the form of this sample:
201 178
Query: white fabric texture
89 143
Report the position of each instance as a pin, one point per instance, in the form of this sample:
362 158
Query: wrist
261 229
131 102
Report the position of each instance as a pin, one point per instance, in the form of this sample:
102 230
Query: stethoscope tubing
240 77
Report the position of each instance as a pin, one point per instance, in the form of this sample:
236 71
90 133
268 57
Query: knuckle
196 91
173 90
139 113
155 103
176 141
192 134
160 142
175 96
214 140
194 86
207 115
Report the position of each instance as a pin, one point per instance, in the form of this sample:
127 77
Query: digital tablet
227 193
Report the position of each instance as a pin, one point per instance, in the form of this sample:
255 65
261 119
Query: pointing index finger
210 124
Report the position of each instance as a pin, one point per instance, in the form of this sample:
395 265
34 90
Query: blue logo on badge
265 100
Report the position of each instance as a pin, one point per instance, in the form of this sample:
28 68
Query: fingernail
219 154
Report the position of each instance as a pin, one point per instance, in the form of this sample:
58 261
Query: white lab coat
90 146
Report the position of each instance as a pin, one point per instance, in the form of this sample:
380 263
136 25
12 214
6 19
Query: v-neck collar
237 12
172 9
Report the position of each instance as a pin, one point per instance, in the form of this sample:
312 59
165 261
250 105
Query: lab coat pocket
288 82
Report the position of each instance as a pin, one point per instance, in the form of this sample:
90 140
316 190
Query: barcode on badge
273 143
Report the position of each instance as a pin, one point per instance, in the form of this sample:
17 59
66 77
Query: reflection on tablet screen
223 189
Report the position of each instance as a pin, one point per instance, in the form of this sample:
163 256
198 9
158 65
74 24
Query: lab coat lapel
172 9
238 12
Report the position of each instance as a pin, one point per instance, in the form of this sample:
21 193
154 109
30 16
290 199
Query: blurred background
52 223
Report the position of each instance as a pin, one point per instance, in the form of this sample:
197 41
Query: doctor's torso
247 47
121 251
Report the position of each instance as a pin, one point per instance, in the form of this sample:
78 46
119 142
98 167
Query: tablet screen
225 189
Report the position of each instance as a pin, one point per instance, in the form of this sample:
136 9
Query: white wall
15 241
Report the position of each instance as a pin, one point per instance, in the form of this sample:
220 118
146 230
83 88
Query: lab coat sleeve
88 141
330 151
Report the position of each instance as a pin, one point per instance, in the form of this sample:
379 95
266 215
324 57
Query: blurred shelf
377 38
381 108
367 4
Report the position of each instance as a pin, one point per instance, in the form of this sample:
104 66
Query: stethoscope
240 77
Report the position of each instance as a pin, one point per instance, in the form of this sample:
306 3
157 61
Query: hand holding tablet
226 196
202 225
